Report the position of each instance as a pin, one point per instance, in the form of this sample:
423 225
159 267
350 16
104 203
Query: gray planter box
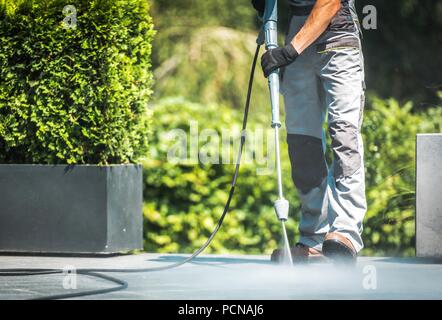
429 195
70 209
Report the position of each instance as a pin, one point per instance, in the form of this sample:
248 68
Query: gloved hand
278 57
259 6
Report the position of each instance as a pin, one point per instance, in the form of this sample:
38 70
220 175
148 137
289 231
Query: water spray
270 30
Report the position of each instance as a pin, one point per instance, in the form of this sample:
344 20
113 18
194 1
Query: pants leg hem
311 243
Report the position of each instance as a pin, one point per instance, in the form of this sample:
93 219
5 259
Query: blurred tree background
402 56
202 56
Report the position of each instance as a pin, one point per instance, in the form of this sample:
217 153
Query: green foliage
204 49
183 201
8 7
213 66
176 20
389 135
74 95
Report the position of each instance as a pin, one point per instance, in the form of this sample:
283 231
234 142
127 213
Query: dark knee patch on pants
308 162
347 159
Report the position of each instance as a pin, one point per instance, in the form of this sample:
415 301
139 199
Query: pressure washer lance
271 41
281 205
122 284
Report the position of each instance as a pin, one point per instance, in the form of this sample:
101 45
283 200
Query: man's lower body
326 82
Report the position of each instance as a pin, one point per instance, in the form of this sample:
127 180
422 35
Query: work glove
277 58
259 6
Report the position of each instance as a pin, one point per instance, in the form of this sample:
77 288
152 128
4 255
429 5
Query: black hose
121 286
121 283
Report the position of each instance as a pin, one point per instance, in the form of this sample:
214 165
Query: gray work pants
326 82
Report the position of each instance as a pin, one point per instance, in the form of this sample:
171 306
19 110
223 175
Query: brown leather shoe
300 254
339 248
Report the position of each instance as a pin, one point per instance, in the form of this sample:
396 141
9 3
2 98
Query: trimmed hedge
74 95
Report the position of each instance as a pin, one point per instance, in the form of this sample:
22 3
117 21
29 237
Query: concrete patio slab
232 277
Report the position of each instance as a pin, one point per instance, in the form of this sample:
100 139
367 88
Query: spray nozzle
282 209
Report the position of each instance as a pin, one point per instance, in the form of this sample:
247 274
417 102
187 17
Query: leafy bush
389 135
74 95
183 201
